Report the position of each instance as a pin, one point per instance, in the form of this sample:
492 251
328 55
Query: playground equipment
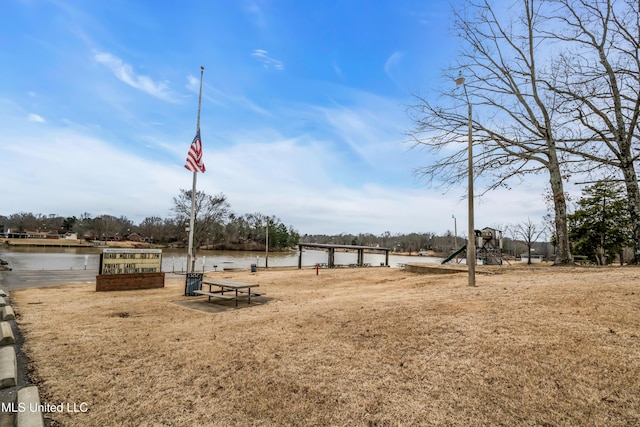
488 243
489 246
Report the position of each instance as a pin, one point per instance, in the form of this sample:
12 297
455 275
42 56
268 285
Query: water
175 260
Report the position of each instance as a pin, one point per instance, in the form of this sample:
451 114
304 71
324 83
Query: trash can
193 282
254 268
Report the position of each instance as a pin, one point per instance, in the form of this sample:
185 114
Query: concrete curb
6 334
8 367
430 268
7 313
20 401
3 302
29 409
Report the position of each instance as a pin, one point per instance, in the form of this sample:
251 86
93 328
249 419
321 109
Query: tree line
555 90
216 227
600 229
219 228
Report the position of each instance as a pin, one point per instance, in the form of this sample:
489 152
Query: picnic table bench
238 289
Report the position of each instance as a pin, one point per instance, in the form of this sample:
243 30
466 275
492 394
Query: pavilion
331 249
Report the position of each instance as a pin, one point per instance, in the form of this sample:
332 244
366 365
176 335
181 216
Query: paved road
13 280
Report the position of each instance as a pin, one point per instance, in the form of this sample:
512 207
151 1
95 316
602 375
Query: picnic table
238 289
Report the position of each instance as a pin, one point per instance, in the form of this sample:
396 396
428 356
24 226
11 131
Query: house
134 237
534 258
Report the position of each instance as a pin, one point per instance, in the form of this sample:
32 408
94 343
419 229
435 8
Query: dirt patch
539 346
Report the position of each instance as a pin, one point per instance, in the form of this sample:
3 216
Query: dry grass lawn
373 347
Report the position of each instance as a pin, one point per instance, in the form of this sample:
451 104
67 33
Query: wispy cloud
255 12
36 118
369 125
391 63
193 83
126 74
223 99
267 61
337 69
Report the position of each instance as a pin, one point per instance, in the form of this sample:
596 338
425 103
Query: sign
130 261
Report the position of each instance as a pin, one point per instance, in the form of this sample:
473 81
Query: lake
175 260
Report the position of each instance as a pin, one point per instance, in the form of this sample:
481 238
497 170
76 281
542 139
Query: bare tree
597 78
518 135
529 233
152 228
210 214
23 221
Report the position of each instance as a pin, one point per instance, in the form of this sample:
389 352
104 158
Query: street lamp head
460 79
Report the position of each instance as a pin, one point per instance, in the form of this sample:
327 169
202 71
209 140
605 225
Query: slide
453 255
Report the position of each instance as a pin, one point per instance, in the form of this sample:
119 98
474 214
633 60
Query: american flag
194 157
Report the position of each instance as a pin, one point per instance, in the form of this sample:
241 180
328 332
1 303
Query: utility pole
471 243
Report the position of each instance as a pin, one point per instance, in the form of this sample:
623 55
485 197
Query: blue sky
303 112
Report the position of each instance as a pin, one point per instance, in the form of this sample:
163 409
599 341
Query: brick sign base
127 282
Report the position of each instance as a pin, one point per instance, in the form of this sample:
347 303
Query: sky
303 112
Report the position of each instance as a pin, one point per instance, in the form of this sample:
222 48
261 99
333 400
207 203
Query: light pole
266 255
455 231
471 244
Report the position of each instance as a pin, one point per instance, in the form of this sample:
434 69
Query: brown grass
376 347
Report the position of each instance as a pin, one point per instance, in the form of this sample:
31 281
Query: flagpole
191 260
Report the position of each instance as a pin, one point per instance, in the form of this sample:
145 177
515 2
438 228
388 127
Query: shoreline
63 243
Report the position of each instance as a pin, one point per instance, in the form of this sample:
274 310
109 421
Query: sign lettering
130 261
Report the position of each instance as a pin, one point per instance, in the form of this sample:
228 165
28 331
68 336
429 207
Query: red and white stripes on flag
194 157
